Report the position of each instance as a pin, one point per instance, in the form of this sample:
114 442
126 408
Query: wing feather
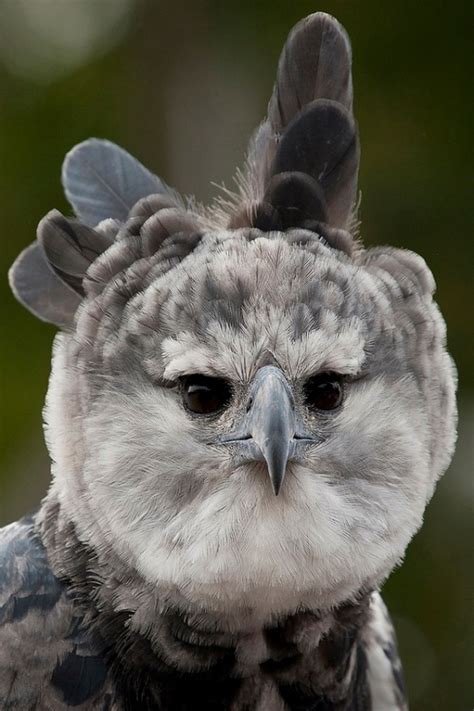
385 674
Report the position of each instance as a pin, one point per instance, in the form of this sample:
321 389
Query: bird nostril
249 404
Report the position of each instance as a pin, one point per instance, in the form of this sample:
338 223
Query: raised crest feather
70 247
101 181
315 63
310 127
322 142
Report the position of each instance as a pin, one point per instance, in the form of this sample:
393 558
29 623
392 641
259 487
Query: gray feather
315 64
165 223
47 659
322 142
70 247
153 203
40 290
109 228
102 180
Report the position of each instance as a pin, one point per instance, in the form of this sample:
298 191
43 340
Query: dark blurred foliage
182 85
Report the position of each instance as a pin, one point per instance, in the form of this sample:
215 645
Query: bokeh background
181 85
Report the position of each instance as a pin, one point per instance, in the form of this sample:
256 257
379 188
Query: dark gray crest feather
102 180
322 142
310 128
70 247
315 64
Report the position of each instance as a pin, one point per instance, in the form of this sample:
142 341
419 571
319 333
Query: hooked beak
269 430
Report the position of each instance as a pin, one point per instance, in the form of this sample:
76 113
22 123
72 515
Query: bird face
244 391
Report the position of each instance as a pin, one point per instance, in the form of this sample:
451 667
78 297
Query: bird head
245 404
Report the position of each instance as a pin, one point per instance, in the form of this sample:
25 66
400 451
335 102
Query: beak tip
277 481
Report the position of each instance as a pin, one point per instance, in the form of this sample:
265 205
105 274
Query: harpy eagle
247 415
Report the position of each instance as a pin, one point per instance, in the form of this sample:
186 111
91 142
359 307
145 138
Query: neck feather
150 639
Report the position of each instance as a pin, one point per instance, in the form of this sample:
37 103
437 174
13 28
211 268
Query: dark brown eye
205 395
323 391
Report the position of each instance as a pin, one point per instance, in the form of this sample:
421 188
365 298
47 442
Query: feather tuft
310 128
102 180
70 247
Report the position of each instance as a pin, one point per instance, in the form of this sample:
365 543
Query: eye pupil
323 391
205 395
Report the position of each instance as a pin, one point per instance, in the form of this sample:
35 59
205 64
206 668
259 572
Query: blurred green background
181 85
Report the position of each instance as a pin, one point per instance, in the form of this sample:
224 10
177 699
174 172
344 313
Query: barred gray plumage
247 414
